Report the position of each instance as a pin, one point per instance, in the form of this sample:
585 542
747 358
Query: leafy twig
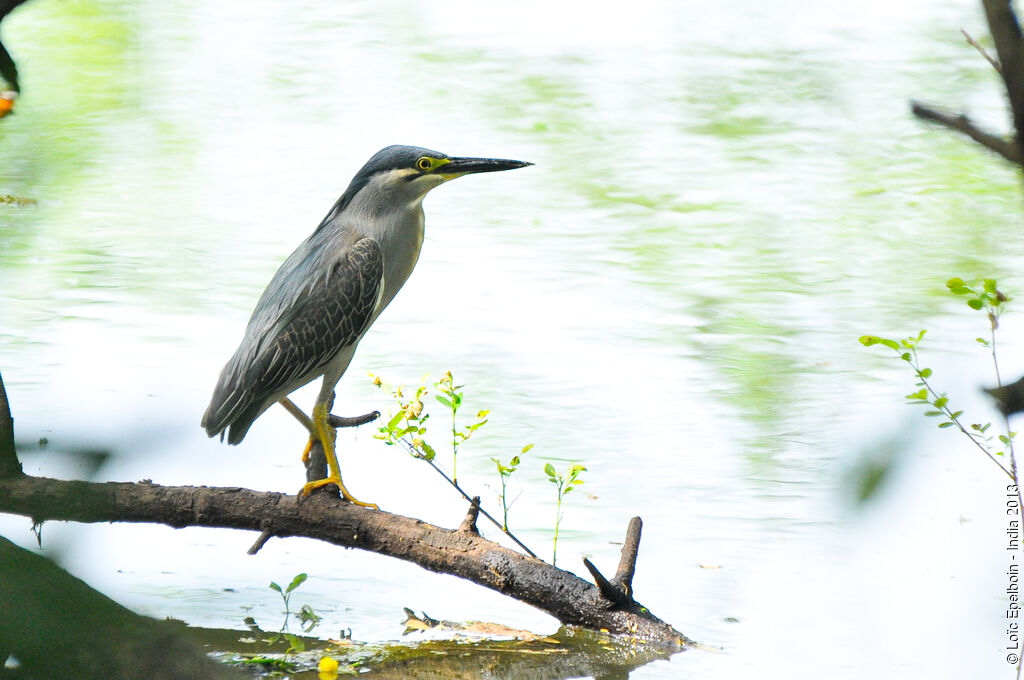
407 429
565 483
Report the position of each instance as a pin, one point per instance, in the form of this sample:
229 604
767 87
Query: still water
724 198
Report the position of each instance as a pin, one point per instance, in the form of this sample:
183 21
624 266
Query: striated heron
329 292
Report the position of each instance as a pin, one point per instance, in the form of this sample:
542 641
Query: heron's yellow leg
309 447
327 435
306 421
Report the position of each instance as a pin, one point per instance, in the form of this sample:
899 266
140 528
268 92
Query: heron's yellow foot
310 486
309 447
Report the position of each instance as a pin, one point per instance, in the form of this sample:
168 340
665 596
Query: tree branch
627 563
961 123
565 596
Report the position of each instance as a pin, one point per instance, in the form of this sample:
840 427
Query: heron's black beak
456 167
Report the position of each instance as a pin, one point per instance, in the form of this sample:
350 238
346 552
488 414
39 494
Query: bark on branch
461 552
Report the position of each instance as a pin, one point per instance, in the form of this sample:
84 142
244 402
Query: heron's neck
398 228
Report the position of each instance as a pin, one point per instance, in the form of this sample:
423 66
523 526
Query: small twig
469 522
482 511
260 542
353 421
627 563
620 588
988 57
961 123
609 590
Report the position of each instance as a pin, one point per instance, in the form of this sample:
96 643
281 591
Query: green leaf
869 340
526 448
397 418
428 451
483 414
933 413
296 642
956 415
276 587
549 470
946 424
940 402
296 582
514 462
1004 439
444 402
920 395
975 303
990 285
954 282
925 372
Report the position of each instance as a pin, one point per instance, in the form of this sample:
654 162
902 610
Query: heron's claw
310 486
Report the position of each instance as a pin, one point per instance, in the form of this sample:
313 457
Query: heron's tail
233 412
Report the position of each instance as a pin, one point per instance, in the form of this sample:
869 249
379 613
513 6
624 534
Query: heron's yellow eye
424 164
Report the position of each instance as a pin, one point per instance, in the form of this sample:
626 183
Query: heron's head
397 176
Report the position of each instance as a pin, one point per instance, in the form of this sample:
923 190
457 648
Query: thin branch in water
482 511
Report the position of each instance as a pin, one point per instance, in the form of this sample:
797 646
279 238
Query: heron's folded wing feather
332 313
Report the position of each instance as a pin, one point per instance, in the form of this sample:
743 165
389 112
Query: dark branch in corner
1009 398
1009 42
9 464
961 123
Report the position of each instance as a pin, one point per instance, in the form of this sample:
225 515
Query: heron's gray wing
328 309
332 313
